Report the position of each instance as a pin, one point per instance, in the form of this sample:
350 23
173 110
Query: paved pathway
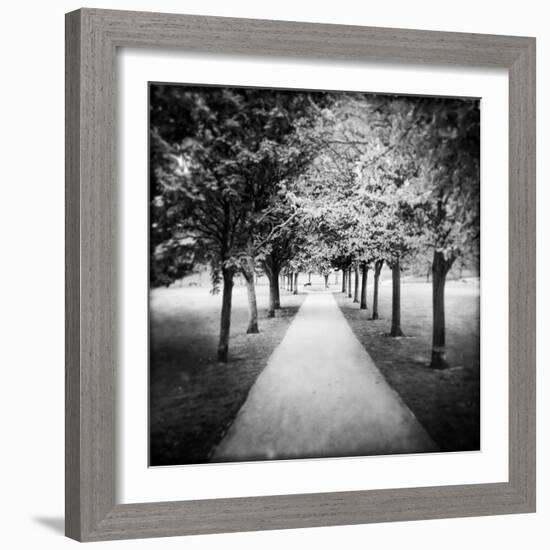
321 395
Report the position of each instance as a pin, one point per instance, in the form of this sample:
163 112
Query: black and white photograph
314 274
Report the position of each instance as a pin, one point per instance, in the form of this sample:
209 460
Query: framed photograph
300 275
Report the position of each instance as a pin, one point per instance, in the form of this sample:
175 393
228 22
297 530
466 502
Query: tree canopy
279 181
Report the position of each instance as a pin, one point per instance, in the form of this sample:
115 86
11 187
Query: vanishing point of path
321 395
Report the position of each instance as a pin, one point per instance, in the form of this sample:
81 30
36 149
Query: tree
447 196
370 154
226 153
292 182
198 182
382 236
387 166
423 154
282 248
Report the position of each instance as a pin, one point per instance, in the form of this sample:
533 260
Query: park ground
194 399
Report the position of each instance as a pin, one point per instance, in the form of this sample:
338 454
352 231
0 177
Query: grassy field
193 397
446 402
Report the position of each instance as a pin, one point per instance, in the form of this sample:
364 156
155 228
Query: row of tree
283 182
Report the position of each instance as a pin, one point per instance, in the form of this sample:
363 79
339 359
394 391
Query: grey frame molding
92 38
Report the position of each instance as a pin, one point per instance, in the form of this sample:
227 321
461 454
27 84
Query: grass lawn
193 397
447 401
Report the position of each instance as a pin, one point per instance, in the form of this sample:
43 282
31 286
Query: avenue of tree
283 183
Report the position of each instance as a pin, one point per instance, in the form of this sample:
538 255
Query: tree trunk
396 299
291 282
252 304
349 282
225 321
356 287
309 277
364 275
440 268
377 269
326 281
295 283
344 281
275 279
276 291
272 286
274 301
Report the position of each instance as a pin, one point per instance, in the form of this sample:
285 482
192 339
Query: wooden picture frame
92 39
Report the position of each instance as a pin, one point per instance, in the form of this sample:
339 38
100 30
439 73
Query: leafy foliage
221 160
248 179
